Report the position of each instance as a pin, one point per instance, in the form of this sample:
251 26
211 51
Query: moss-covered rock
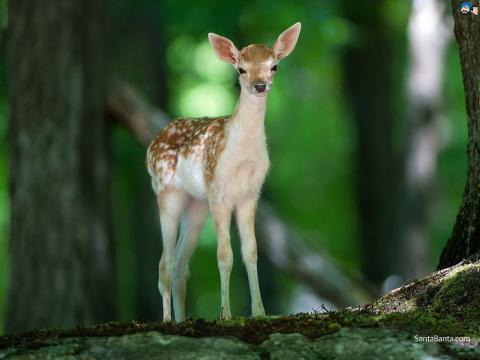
446 301
461 281
347 343
459 295
445 304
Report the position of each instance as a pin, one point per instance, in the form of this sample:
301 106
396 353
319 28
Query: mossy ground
255 331
446 303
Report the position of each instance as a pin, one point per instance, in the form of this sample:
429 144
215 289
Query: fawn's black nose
260 87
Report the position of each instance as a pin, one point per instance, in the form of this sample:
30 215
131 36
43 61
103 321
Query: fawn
217 164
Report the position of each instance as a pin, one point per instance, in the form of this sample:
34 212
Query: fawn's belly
190 176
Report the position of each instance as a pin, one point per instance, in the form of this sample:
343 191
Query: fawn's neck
248 117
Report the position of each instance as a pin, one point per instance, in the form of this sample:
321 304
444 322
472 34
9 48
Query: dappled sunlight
179 53
395 12
202 88
208 66
205 99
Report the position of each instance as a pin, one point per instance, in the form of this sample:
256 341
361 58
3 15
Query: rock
437 317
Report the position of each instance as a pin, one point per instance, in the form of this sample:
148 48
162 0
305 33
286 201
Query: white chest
242 168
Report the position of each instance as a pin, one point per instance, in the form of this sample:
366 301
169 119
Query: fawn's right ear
224 48
286 41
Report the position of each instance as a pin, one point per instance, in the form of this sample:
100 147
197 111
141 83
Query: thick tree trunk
465 238
61 264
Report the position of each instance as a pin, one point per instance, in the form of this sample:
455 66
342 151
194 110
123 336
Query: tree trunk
61 264
369 84
3 18
465 238
147 243
428 37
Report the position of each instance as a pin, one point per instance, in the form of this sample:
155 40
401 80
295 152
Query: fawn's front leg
246 228
221 216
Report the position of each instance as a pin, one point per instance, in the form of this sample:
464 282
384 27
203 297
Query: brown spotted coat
203 139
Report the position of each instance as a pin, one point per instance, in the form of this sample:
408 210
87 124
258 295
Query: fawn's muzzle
260 87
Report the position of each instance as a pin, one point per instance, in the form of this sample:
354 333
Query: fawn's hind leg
193 219
171 204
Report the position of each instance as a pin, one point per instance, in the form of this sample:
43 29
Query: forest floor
435 317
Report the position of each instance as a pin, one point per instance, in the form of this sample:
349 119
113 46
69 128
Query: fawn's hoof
260 311
167 319
225 315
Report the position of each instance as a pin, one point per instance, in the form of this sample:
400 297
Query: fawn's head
256 64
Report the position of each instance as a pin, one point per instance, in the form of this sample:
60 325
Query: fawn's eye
241 71
274 68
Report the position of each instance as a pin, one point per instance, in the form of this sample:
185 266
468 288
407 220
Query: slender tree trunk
3 18
428 37
465 238
368 79
61 264
146 224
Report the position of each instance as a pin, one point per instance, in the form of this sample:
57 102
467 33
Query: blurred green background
162 49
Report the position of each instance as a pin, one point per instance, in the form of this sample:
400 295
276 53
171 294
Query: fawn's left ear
286 41
224 48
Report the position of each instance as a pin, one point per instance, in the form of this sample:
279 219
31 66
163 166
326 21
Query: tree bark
465 238
61 264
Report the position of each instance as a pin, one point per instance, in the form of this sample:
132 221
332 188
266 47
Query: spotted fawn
218 165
